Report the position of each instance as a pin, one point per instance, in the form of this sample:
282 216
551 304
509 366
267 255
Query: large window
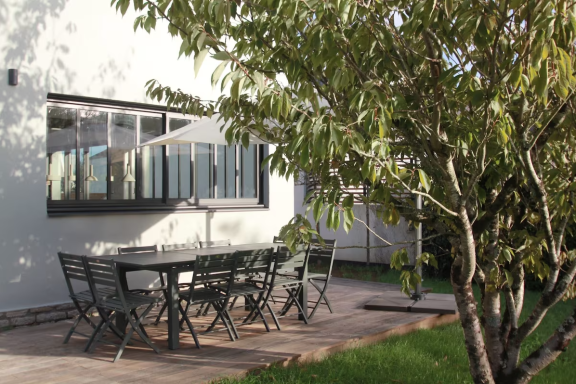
95 163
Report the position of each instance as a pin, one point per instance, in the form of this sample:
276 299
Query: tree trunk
479 364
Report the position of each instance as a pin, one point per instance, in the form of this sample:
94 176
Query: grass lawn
426 356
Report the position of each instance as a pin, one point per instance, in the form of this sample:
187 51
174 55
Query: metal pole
418 295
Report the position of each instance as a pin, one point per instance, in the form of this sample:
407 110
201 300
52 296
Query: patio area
33 354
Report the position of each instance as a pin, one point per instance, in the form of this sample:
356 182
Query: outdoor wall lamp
12 77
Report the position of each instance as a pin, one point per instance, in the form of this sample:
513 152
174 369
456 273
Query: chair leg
139 327
273 316
220 309
232 325
257 306
93 336
322 297
233 303
190 327
159 317
293 294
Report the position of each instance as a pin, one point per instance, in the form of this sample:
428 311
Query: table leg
173 311
121 320
303 296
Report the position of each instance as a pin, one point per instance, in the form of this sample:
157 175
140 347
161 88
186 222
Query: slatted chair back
277 239
143 249
287 261
256 262
215 243
210 269
176 247
323 255
103 273
74 269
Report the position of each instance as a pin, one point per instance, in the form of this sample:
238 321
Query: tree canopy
479 93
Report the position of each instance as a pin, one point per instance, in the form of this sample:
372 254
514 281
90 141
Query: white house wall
82 47
357 237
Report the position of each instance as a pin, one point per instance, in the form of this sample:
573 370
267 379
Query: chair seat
86 296
133 301
201 295
281 281
242 289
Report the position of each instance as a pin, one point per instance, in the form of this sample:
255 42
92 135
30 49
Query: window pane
93 155
204 171
61 154
151 156
122 154
221 171
231 172
248 172
180 164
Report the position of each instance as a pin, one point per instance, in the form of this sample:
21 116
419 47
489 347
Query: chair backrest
176 247
324 255
103 273
215 243
254 262
277 239
148 248
213 269
286 261
74 269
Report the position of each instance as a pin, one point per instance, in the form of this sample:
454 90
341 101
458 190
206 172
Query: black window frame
153 205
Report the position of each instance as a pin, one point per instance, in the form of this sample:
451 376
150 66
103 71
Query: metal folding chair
251 263
104 273
327 254
286 261
208 271
74 269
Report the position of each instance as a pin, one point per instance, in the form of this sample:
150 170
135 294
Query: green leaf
245 140
516 75
259 80
222 55
525 83
199 59
218 72
424 179
348 219
541 85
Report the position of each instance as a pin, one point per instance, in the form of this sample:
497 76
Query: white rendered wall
82 47
358 234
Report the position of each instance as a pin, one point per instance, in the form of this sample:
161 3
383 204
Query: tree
480 93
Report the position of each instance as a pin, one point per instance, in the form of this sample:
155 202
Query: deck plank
34 354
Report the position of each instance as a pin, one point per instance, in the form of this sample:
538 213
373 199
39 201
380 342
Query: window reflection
122 156
93 157
226 171
151 157
248 172
204 171
61 154
180 174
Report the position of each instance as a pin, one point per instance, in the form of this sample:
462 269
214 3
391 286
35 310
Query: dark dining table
172 263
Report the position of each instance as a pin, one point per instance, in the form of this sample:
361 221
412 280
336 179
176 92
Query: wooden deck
36 354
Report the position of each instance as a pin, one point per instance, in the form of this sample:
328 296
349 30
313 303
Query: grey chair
74 270
209 270
104 273
322 255
286 261
256 262
174 247
215 243
146 249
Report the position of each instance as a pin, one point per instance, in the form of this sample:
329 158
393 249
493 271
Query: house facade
72 175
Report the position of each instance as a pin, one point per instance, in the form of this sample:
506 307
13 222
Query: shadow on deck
34 354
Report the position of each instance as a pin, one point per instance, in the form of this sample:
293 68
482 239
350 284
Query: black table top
168 259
